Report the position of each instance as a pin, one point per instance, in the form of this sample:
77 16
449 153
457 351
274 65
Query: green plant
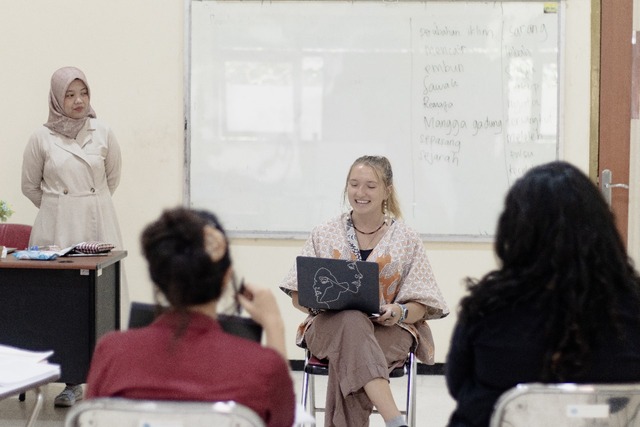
5 211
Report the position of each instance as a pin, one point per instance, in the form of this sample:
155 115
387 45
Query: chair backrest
15 235
569 405
142 314
109 412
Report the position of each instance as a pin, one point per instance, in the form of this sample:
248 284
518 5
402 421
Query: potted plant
5 211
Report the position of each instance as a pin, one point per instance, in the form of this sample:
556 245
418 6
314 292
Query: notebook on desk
338 284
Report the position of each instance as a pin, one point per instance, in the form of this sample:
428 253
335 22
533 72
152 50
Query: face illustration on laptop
328 288
338 284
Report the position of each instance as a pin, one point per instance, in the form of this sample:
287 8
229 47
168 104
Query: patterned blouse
405 273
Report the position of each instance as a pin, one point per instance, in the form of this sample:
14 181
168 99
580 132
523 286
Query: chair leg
305 390
36 409
308 399
312 396
411 390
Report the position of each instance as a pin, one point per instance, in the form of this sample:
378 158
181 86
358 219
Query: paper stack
21 368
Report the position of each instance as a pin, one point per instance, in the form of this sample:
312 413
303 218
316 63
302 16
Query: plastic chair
314 366
111 411
568 405
14 235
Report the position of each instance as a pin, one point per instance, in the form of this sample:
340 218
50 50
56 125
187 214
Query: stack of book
20 369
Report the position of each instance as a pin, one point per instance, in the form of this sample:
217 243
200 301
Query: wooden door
616 28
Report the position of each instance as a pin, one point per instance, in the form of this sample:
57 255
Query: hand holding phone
244 291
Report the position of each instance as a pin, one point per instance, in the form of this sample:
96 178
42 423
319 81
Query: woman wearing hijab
70 169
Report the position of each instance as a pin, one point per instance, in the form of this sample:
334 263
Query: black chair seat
315 366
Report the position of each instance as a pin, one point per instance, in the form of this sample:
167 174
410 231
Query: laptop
142 314
338 284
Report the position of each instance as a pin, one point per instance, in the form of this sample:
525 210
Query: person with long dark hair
563 306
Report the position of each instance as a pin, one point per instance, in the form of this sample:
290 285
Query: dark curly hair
178 263
559 248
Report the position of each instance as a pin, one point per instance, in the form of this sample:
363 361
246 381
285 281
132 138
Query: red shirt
205 364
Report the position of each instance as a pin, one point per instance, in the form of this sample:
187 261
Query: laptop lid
338 284
143 314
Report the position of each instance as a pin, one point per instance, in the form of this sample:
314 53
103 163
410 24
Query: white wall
133 55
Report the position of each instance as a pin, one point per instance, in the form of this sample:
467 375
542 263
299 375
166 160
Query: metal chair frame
313 366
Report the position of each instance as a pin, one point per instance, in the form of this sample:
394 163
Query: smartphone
240 290
244 291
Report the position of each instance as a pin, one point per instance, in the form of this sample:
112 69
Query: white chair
109 412
568 405
314 366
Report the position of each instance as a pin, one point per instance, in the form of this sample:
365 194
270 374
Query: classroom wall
133 55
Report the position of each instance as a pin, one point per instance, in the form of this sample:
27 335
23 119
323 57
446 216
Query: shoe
69 396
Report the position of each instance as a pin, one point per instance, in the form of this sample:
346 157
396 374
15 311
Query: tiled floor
433 403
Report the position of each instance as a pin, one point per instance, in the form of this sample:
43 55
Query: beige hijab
58 121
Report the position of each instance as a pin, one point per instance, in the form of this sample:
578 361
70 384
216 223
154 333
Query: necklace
372 232
362 232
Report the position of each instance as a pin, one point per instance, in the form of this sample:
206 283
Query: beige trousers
358 351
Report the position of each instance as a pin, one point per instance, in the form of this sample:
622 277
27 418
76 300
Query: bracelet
404 312
314 311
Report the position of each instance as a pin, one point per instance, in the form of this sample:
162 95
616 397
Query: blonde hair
382 168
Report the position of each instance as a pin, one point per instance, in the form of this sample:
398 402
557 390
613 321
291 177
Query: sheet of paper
23 367
14 372
13 353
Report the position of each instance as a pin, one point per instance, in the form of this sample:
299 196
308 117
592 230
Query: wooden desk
63 305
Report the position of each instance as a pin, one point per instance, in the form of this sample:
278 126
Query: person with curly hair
185 354
563 306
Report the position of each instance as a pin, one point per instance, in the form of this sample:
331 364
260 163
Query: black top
364 253
490 355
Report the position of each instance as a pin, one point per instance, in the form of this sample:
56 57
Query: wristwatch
405 312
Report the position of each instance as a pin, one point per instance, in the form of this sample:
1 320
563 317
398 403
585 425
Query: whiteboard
462 97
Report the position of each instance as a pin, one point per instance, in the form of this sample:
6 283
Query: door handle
606 185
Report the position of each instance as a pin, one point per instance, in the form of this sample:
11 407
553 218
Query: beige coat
71 181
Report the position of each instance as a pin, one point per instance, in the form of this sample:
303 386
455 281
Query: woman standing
71 167
362 351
